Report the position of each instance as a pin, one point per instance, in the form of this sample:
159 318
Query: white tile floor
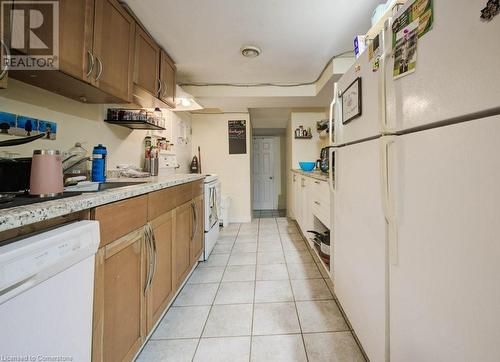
260 297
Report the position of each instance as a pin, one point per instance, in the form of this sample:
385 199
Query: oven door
212 198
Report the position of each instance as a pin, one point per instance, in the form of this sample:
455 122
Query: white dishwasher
46 294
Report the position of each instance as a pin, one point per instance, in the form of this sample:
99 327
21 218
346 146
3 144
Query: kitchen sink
114 185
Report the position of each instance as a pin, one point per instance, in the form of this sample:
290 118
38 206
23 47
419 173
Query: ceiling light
250 51
185 102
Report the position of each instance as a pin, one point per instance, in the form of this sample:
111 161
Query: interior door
263 174
114 32
162 288
444 286
360 263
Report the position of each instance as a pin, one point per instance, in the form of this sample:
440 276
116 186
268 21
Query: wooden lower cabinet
181 247
119 299
161 291
138 274
199 233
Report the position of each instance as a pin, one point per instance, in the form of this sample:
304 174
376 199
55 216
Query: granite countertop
29 214
314 174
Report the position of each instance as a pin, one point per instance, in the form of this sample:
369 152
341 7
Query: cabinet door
167 75
199 234
76 29
181 243
147 62
119 303
114 32
161 291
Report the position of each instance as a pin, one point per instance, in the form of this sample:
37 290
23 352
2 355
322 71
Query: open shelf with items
318 245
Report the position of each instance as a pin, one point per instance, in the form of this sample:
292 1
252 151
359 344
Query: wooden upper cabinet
183 233
114 40
76 31
199 233
146 62
167 76
162 289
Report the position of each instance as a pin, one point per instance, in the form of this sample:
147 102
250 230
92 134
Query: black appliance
325 160
15 174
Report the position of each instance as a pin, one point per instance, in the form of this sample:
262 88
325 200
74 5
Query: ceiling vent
250 51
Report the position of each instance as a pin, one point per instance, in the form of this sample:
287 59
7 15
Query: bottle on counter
99 155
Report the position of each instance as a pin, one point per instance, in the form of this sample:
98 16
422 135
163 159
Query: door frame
275 186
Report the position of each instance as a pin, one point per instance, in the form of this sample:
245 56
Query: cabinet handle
317 182
147 240
91 63
317 202
195 221
155 253
294 177
160 86
101 68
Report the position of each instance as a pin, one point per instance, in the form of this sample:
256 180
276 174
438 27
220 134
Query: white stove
212 196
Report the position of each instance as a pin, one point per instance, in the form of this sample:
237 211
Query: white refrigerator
416 191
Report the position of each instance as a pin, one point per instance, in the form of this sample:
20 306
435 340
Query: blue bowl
307 166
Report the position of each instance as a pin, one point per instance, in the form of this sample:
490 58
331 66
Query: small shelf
304 138
136 124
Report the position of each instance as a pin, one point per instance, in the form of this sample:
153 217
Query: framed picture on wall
351 102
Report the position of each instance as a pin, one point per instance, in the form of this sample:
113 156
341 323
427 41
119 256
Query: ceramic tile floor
268 213
260 297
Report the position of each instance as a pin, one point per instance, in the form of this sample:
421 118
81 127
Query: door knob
270 178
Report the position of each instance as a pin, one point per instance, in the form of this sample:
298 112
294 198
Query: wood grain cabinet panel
181 243
119 300
114 40
197 240
146 62
76 31
120 218
168 79
161 202
162 289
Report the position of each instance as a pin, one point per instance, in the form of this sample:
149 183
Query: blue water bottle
99 163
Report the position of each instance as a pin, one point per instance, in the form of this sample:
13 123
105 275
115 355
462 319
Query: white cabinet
310 201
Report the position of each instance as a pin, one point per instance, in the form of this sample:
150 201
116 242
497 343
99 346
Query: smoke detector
250 51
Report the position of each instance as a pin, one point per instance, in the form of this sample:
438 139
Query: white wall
306 149
79 122
210 132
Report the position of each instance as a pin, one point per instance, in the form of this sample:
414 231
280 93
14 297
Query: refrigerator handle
332 116
388 199
332 179
386 54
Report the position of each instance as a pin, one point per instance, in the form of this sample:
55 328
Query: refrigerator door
444 283
457 72
367 125
360 263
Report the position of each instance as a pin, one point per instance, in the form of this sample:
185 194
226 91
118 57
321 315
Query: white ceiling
297 37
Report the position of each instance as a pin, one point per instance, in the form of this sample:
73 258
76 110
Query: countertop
29 214
314 174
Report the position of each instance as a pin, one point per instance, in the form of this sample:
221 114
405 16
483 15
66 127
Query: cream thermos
46 178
